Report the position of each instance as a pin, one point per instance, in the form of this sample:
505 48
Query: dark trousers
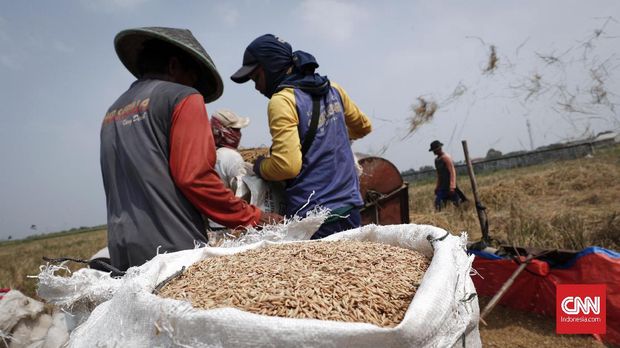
442 196
353 220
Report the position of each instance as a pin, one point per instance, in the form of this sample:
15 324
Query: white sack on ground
15 306
24 323
443 313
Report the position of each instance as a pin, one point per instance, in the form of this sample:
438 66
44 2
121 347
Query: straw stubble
348 281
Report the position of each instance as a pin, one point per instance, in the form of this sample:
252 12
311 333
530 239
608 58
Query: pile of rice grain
251 154
341 280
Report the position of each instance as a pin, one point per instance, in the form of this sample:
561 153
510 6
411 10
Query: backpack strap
314 122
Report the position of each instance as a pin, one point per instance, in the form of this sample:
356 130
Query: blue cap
267 50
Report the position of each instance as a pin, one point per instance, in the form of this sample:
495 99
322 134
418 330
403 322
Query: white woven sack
443 313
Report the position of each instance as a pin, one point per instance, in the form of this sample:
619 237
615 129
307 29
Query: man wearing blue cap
312 122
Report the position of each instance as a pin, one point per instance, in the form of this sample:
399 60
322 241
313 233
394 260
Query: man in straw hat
158 153
226 127
312 122
446 188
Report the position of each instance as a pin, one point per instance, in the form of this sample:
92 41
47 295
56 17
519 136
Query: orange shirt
192 162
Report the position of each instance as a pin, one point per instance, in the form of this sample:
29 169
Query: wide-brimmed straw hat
231 119
128 44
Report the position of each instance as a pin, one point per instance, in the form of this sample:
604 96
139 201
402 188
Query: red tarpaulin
534 289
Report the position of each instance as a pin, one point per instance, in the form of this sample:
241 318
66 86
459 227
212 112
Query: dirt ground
512 328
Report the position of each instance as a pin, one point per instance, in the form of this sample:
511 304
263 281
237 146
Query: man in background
158 152
446 188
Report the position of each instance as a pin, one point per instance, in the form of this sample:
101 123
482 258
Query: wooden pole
480 209
504 288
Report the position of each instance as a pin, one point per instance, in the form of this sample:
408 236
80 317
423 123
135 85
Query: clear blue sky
59 74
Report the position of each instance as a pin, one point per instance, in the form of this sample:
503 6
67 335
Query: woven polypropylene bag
444 311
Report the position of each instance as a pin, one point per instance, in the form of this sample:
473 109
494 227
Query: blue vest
328 168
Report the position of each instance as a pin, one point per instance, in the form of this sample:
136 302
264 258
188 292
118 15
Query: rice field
21 258
566 205
569 205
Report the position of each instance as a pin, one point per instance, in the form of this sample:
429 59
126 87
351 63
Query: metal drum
385 194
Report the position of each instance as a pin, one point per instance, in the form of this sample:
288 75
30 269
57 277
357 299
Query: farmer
446 188
226 128
311 121
158 153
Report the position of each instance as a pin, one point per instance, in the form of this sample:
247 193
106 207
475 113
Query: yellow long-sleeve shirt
286 158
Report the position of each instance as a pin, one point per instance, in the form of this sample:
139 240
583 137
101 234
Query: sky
557 70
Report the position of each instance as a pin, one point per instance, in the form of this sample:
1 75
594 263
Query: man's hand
452 192
256 167
269 218
237 232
